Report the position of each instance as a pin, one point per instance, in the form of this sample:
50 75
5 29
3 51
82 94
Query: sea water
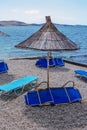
77 33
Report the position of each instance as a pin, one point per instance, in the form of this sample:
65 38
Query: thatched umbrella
48 38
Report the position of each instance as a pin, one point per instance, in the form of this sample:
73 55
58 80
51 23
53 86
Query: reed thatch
48 38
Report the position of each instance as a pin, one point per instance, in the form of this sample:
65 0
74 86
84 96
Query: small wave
77 56
78 59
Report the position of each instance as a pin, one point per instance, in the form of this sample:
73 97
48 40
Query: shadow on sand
59 117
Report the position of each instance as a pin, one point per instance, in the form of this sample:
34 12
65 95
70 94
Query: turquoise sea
77 33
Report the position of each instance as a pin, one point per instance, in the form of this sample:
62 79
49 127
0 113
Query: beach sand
15 115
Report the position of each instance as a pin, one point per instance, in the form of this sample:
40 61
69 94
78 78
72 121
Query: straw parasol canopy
48 38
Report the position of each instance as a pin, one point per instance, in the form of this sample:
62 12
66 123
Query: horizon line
77 24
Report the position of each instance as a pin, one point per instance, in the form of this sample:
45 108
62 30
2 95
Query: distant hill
19 23
13 23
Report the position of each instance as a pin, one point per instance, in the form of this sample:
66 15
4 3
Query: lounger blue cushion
32 98
52 96
19 83
38 97
81 72
3 67
65 95
58 62
43 63
52 62
38 63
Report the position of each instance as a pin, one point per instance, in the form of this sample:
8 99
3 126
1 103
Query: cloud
31 11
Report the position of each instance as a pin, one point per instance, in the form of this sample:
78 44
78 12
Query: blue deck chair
51 62
3 67
38 63
61 62
38 97
52 96
58 62
43 63
18 84
82 73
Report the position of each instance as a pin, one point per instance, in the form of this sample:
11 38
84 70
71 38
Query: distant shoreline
20 23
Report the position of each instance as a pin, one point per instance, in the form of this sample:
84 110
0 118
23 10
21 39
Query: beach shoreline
15 115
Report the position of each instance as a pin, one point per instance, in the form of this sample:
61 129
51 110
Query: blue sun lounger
82 73
52 62
51 96
58 62
43 63
3 67
18 84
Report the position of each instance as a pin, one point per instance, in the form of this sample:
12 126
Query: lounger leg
19 93
34 84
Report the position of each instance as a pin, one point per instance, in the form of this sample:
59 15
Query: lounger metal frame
19 90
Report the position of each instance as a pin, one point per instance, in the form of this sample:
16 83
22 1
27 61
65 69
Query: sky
70 12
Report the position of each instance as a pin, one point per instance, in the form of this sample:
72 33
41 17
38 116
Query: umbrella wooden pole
48 68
